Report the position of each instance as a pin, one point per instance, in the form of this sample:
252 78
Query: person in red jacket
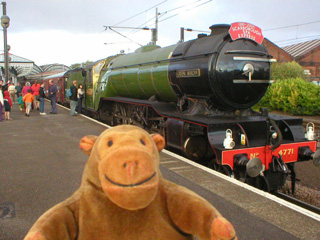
7 105
35 89
1 102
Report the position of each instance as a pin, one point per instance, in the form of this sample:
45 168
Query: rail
297 202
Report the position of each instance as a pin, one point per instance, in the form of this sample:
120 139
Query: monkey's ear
86 143
159 141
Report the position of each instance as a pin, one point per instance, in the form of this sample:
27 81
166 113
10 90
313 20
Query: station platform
41 165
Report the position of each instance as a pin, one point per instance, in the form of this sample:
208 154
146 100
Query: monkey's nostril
124 165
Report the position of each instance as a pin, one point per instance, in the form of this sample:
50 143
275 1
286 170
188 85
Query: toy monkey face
128 166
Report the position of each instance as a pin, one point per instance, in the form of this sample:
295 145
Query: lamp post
5 20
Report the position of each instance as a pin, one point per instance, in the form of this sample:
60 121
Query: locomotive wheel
102 115
224 169
106 113
195 148
259 182
124 114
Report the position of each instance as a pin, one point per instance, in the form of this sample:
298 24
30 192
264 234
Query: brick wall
277 52
311 62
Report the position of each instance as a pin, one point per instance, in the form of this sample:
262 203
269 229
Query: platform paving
41 165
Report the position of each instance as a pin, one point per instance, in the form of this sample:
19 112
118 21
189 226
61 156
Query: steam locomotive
198 95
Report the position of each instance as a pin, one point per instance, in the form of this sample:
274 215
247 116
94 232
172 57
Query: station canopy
28 69
22 65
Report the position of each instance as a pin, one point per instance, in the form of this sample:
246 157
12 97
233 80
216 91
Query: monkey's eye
110 143
142 142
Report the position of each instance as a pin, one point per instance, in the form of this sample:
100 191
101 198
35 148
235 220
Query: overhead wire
140 13
293 40
182 6
143 24
160 15
297 25
125 36
132 18
185 10
166 12
296 39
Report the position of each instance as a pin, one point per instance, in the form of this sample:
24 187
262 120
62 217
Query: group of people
77 95
27 96
34 95
76 98
7 93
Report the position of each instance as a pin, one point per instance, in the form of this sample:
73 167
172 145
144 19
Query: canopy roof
22 65
27 68
297 50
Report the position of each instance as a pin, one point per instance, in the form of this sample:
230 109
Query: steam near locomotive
198 95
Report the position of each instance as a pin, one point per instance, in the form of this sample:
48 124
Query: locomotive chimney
219 28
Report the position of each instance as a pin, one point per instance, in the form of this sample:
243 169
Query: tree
83 64
281 71
295 96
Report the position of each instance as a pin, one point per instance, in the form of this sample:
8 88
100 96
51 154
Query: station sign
246 30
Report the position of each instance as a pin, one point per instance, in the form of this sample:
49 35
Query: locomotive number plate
188 73
288 151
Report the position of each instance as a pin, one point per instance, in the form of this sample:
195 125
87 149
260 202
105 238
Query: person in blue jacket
42 95
53 96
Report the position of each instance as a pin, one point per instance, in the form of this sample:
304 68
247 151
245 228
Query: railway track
297 202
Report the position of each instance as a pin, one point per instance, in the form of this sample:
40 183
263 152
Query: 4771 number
288 151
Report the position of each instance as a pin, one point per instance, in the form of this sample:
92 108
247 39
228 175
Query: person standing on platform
20 102
12 92
18 89
1 103
7 105
35 88
42 95
80 97
4 86
26 88
73 98
28 99
53 97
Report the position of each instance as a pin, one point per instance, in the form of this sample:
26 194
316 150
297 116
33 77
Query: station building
307 54
22 69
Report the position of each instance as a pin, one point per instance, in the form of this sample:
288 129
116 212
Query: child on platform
7 105
20 102
1 102
28 99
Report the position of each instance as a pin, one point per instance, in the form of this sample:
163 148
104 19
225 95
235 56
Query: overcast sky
71 31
